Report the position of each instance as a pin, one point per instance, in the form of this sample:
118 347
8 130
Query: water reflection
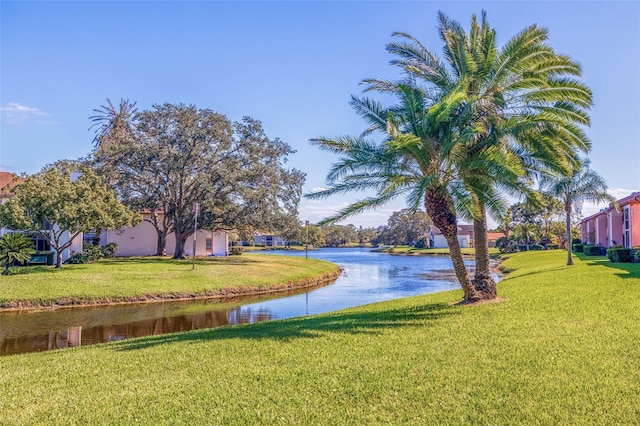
368 277
41 331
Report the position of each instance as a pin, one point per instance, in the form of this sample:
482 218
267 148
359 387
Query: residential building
465 237
142 240
613 226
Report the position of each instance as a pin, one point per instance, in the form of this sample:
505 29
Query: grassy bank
562 348
139 279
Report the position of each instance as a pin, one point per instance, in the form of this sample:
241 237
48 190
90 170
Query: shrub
594 251
636 255
576 241
110 250
78 258
535 247
616 254
553 246
236 251
578 248
422 243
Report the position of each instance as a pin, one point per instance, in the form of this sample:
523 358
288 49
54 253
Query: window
626 226
208 244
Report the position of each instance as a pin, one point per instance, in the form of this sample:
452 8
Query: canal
368 277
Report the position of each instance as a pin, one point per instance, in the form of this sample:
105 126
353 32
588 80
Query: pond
368 277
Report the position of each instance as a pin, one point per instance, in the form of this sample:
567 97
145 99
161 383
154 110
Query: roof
495 235
8 181
633 198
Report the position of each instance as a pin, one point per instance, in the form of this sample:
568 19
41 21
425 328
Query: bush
594 251
236 251
110 250
422 243
553 246
636 255
535 247
616 254
78 258
578 248
576 241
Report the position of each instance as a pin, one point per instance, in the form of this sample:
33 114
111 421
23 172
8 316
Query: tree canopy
62 201
178 155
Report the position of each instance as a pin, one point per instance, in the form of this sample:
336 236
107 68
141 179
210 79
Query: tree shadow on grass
624 270
306 327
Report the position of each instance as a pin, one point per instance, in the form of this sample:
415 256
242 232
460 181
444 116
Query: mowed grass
149 277
561 348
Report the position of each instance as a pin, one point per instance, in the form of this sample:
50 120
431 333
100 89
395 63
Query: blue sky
292 65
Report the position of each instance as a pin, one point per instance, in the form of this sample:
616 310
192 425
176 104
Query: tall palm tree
14 247
111 124
582 184
522 97
466 128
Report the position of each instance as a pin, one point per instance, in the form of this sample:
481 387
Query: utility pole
196 209
306 243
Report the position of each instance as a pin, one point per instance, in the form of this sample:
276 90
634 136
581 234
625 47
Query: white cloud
590 208
16 113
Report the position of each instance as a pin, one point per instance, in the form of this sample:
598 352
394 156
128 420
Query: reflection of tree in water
77 336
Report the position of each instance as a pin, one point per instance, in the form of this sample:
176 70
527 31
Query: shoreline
230 293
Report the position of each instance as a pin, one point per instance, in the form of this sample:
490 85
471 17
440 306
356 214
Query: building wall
635 225
141 240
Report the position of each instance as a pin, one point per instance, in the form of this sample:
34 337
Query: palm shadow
305 327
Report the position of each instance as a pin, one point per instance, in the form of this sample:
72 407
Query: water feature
368 277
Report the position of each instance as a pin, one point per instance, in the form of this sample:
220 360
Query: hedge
594 251
619 255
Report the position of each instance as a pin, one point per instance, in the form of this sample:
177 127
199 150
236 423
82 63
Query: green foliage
109 250
618 254
62 201
173 156
590 250
14 247
422 243
236 250
91 253
578 248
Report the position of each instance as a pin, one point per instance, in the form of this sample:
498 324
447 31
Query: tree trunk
440 208
181 240
59 258
161 247
569 242
482 281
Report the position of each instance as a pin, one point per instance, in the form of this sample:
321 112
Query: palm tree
525 232
14 247
113 125
523 98
482 121
580 185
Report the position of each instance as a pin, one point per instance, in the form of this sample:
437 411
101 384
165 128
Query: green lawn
156 277
562 348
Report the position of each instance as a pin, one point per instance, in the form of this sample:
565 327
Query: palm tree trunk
482 281
567 209
440 208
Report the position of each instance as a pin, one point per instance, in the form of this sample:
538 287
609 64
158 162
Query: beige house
141 240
